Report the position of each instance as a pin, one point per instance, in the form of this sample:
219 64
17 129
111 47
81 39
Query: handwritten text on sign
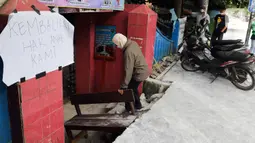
38 42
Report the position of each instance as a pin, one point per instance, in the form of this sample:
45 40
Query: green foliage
215 4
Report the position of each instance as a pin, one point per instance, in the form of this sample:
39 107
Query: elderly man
135 66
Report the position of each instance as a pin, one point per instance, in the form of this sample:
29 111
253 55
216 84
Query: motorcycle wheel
240 77
181 57
188 64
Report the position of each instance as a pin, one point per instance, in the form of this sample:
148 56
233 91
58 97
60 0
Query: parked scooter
196 31
230 59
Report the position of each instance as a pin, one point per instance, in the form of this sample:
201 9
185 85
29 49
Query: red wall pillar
142 29
84 37
142 24
36 105
36 109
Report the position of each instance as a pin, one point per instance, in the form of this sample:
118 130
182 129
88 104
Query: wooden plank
15 113
106 116
107 97
98 125
78 109
97 128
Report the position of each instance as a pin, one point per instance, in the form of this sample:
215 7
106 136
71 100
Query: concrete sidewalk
195 111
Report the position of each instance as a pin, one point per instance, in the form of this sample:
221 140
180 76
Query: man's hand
121 91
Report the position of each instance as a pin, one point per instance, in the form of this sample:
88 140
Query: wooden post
178 7
14 103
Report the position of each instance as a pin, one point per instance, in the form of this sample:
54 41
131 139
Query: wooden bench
100 122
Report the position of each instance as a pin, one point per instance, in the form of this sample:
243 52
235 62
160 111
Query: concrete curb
160 77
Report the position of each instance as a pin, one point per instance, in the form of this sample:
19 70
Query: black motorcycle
227 58
196 31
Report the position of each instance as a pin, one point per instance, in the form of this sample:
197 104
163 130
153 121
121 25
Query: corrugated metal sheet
162 46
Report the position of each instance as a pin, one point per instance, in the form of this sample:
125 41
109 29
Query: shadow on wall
5 130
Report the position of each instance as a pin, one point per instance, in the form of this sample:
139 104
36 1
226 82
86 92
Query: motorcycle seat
228 47
225 42
239 55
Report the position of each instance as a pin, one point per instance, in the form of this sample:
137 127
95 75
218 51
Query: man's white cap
120 40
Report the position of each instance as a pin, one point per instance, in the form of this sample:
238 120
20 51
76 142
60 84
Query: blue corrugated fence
162 47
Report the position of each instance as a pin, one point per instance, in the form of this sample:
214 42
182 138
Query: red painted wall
41 99
142 29
99 75
142 24
42 109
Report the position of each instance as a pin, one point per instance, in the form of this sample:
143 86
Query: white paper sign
32 43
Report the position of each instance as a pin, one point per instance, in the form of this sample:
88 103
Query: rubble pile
160 66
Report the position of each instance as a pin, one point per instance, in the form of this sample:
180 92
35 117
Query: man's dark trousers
133 84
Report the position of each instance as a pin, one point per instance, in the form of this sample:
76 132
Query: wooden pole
178 7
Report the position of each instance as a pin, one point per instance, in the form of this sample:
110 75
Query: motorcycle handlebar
199 30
